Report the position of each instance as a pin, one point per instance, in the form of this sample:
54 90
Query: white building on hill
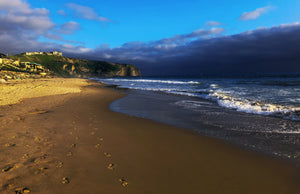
57 53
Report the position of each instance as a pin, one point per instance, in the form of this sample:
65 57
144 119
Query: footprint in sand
37 139
25 156
111 166
69 154
20 118
100 138
107 155
22 190
43 156
59 164
27 146
124 182
39 159
10 145
98 146
65 180
73 145
8 168
41 170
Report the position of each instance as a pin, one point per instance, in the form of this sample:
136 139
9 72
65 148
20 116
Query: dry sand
13 91
73 143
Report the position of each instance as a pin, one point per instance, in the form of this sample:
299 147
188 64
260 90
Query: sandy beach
59 136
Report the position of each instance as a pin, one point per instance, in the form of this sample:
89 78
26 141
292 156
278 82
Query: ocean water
277 96
261 113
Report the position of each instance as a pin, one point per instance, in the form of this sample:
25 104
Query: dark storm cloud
265 50
153 51
179 39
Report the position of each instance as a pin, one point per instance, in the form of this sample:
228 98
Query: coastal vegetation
72 67
57 65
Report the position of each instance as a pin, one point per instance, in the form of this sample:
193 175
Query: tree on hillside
2 55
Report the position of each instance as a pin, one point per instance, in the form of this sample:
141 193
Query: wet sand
73 143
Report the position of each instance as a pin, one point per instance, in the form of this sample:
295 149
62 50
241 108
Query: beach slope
70 142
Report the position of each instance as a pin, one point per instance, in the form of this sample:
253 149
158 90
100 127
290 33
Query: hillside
2 55
72 67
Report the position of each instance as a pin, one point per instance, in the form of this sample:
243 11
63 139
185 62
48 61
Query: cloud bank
264 50
22 27
16 14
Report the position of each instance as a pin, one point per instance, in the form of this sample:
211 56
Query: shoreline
247 131
77 137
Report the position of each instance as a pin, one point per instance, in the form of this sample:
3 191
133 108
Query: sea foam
250 96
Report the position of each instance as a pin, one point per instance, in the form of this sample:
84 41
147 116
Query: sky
161 37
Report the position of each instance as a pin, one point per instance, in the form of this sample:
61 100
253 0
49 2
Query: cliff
72 67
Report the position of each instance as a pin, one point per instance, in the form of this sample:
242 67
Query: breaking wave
154 81
255 107
265 97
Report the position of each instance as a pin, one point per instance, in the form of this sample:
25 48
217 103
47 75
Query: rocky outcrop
124 71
